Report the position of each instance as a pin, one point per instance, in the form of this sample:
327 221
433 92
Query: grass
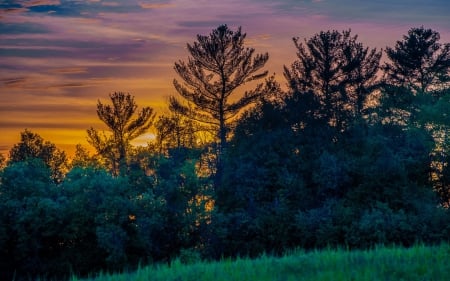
383 263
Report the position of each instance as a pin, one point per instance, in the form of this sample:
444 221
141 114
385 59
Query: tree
187 202
339 70
31 220
2 161
176 131
419 62
218 65
123 129
417 83
32 146
83 159
434 116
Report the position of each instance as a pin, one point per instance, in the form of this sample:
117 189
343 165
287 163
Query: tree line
352 152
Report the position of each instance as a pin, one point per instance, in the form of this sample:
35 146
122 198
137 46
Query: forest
350 150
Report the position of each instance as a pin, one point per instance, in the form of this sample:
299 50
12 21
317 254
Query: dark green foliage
288 164
98 202
31 218
443 184
93 221
434 115
314 167
185 196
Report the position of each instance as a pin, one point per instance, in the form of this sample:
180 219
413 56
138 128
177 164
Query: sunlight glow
59 57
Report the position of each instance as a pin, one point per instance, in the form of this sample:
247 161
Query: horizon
58 58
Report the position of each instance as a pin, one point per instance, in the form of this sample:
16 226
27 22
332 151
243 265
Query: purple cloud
58 53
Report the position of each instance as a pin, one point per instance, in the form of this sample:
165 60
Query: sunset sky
58 57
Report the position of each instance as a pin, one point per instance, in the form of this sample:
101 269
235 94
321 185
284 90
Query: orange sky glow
59 57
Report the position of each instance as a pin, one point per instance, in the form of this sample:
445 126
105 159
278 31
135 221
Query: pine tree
217 66
123 129
338 70
419 62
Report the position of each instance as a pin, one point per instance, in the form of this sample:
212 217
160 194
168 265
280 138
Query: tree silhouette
118 118
83 159
219 63
33 146
175 131
339 70
419 62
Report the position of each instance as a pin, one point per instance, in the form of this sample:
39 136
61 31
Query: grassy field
391 263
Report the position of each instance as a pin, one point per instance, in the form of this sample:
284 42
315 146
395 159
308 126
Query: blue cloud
78 8
385 11
10 5
22 28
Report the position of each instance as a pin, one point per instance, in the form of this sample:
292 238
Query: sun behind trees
123 129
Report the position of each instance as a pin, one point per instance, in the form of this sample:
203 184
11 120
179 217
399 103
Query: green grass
383 263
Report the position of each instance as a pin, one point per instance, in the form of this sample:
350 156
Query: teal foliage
91 221
302 169
31 218
184 215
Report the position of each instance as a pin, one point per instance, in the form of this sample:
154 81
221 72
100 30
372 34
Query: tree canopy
118 117
419 62
219 63
33 146
338 70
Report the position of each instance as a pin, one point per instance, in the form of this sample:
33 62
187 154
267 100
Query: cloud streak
149 5
60 57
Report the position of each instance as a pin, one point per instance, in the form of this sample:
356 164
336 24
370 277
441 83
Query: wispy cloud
33 3
16 82
69 70
4 11
110 4
59 53
22 28
149 5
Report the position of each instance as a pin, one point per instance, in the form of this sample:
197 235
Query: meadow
419 263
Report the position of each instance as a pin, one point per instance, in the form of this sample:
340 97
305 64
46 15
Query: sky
59 57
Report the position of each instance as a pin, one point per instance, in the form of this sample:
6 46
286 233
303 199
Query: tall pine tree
217 66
